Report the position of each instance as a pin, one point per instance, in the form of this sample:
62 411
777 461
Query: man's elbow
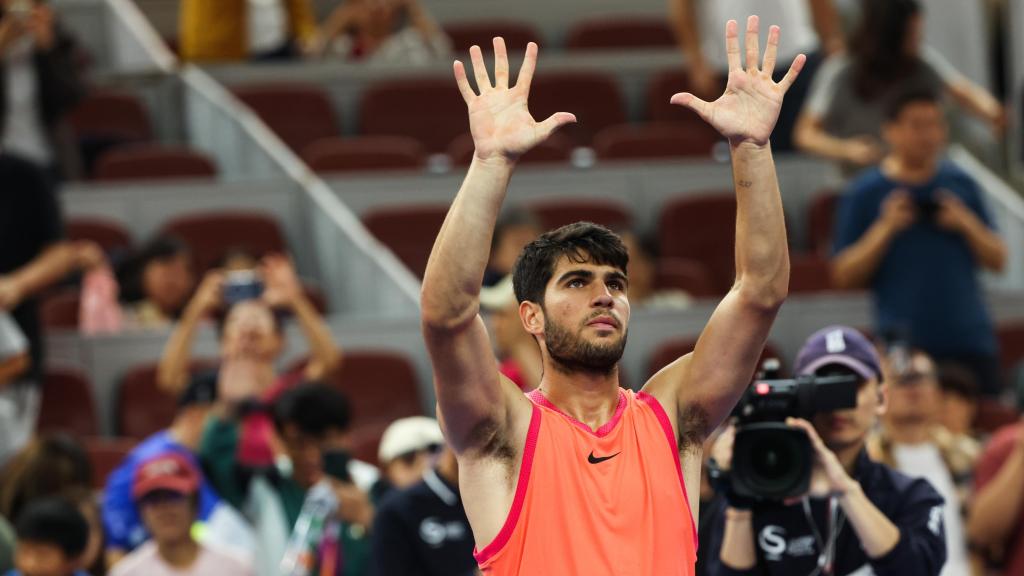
842 277
766 297
444 317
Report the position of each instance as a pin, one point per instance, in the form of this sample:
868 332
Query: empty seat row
621 32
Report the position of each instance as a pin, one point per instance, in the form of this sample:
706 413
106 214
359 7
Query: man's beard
570 353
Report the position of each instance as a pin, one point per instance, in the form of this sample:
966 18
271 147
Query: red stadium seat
661 88
618 33
809 273
153 162
821 220
557 149
67 404
554 213
109 235
113 116
702 228
687 275
647 141
669 351
430 110
1011 344
142 407
211 235
409 231
365 153
480 32
593 97
59 310
297 113
105 455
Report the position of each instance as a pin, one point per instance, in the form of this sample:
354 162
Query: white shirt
146 561
24 134
792 16
268 22
925 461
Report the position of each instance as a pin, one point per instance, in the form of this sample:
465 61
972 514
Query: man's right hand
208 297
863 151
898 211
501 125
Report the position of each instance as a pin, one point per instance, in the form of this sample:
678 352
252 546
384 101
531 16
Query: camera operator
859 517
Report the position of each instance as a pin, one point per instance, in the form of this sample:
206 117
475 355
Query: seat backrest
153 162
409 231
59 310
299 114
110 235
142 407
620 32
593 97
105 455
365 153
702 228
431 110
554 213
687 275
654 141
480 32
821 217
671 350
380 385
211 235
67 404
660 90
111 115
1011 343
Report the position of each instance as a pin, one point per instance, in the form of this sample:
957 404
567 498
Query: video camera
773 461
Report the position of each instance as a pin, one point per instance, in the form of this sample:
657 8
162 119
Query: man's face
847 428
251 331
168 282
918 135
915 397
511 243
306 453
585 316
42 559
168 516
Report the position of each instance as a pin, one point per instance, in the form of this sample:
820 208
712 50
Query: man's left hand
749 108
282 284
953 214
829 478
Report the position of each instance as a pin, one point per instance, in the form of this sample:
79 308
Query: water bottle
301 554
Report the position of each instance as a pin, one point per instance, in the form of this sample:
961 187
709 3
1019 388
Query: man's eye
615 285
577 283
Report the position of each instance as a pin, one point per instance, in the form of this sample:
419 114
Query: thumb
554 122
701 107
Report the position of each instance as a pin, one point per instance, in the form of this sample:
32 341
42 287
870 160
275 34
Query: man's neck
589 398
910 432
902 170
180 555
848 457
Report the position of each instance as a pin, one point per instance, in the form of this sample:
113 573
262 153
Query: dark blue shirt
925 285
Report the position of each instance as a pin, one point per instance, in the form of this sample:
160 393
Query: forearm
738 551
684 24
986 245
173 370
810 137
762 251
877 534
325 356
976 100
827 25
997 506
53 264
451 283
854 266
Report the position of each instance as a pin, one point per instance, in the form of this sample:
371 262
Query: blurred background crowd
214 216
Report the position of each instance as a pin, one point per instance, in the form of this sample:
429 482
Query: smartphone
335 463
242 285
927 206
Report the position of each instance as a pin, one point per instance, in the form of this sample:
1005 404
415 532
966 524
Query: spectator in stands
515 228
50 465
959 402
516 349
272 482
996 522
423 530
407 450
52 535
39 84
156 282
846 109
384 30
92 559
915 230
812 27
228 30
643 272
166 489
913 441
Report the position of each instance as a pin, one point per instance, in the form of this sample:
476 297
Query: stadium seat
809 273
619 33
105 455
67 404
557 149
409 231
480 32
211 235
142 407
106 119
652 141
153 162
1011 344
554 213
687 275
702 228
366 153
821 218
297 113
59 309
110 235
431 110
661 88
669 351
593 97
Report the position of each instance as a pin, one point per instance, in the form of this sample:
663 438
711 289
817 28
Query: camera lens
771 461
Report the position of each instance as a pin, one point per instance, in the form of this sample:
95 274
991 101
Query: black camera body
773 461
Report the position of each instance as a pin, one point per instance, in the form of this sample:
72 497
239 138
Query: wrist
749 146
493 161
738 514
848 490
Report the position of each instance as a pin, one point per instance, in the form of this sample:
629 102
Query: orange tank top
605 503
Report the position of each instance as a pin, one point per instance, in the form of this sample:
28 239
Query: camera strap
836 518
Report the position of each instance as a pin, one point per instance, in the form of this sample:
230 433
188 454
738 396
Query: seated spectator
913 441
846 109
643 271
996 520
516 349
384 30
156 283
270 479
51 465
515 228
233 30
52 535
407 450
959 403
423 530
166 490
39 84
915 230
92 559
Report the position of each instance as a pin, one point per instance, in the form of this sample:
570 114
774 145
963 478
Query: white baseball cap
406 435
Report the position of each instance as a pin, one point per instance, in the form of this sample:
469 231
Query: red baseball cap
172 472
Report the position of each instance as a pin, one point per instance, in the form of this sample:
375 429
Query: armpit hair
490 440
693 428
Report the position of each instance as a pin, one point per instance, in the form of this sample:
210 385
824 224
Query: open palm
499 119
749 108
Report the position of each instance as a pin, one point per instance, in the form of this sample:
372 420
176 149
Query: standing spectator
166 489
913 441
846 109
39 84
811 27
384 30
407 450
423 530
996 523
52 535
915 230
228 30
156 282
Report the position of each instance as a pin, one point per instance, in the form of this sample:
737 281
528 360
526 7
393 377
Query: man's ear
532 316
883 399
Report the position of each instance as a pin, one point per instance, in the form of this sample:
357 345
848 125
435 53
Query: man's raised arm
707 384
474 401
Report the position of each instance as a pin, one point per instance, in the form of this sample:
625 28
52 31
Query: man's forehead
565 263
